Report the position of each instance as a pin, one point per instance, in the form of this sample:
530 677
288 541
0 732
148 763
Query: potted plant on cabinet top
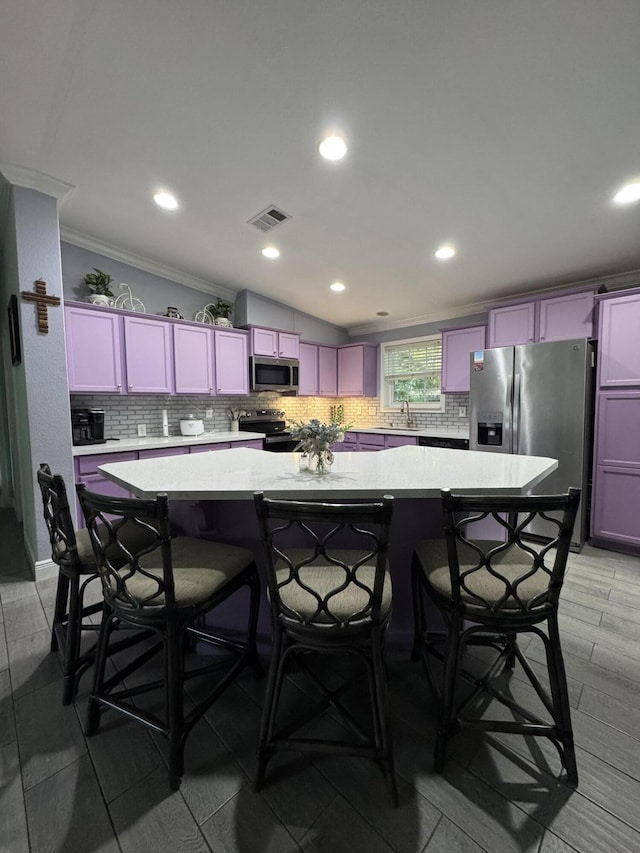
221 311
98 283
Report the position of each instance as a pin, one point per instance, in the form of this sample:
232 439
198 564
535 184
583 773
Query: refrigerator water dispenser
490 433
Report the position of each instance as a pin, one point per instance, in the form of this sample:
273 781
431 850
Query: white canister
235 426
191 426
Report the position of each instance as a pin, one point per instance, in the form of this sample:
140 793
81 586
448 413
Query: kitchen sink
401 429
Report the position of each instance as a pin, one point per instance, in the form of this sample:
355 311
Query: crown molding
617 281
420 319
32 179
92 244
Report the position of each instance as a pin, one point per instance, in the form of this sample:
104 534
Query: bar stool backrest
326 562
518 576
132 545
57 516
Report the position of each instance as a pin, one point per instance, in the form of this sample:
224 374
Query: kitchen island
405 472
212 495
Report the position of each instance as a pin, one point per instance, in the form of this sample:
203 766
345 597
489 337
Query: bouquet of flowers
315 439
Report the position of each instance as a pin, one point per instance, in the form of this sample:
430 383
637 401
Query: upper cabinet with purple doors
327 371
148 349
94 351
554 318
308 377
231 361
457 345
274 343
193 358
358 370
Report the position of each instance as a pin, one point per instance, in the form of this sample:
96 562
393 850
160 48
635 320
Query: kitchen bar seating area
498 792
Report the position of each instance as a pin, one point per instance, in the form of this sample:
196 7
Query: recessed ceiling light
337 286
444 253
333 148
271 252
166 200
628 193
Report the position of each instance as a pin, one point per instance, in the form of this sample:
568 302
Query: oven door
280 443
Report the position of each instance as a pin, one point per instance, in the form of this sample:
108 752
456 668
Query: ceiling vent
269 219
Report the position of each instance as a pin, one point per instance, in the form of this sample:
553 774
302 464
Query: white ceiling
503 126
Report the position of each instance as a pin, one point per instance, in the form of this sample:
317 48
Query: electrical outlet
462 412
208 413
142 430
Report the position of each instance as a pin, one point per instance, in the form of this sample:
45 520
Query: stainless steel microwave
274 374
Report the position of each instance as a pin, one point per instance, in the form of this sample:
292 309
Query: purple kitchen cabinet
86 472
562 318
255 443
94 350
358 370
399 440
159 452
512 324
231 362
193 359
273 343
618 429
308 376
554 318
614 513
457 344
327 371
205 448
616 465
350 442
370 441
149 355
619 347
288 345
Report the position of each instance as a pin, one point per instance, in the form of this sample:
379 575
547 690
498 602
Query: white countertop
403 472
155 442
430 432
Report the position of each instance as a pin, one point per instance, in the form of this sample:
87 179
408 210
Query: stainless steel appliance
446 441
274 374
537 400
87 426
271 422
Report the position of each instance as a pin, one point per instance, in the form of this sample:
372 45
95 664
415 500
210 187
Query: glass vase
320 460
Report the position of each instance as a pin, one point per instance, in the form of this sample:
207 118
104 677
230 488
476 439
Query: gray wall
37 391
254 309
156 293
424 329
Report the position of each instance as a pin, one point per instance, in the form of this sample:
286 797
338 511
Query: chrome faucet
410 418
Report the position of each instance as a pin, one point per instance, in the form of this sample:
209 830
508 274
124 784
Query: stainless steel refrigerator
537 400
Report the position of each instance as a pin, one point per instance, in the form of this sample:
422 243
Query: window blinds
405 361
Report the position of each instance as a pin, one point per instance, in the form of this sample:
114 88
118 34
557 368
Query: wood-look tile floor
62 792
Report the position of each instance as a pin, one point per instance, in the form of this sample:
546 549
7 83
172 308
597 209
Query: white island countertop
158 442
405 472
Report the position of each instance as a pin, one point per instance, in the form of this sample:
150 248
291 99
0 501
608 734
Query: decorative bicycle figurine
128 301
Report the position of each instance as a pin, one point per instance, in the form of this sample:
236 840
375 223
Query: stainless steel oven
271 422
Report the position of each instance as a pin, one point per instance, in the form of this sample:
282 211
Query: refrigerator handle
516 412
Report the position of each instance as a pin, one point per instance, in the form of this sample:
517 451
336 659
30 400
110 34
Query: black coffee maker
87 426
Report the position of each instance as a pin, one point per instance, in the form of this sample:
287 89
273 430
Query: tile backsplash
124 413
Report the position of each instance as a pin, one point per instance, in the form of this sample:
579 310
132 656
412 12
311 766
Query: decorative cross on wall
43 302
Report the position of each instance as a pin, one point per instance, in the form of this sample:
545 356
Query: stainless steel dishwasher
443 441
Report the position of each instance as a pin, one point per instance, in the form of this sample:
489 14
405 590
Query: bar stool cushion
200 568
322 577
432 554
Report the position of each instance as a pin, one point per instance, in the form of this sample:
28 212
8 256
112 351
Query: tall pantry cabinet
615 514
